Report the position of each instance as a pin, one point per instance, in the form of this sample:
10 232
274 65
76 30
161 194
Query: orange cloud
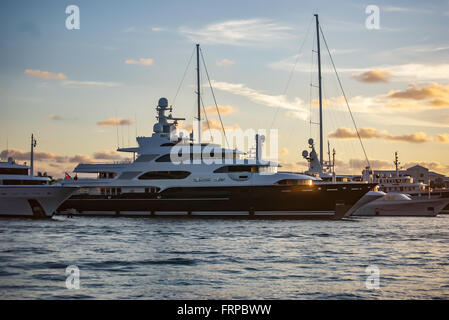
114 122
107 155
371 133
224 110
376 75
436 94
21 155
443 137
283 152
141 61
45 74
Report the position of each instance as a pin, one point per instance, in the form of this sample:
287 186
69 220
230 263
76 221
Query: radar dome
310 141
163 102
305 154
157 128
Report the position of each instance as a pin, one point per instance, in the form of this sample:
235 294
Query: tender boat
399 204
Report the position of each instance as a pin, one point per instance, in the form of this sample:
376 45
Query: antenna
319 87
396 163
33 144
198 90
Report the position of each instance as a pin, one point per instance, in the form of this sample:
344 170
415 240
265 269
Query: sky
86 91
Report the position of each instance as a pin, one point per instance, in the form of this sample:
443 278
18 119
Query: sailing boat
374 203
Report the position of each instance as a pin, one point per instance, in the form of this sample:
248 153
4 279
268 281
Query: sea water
161 258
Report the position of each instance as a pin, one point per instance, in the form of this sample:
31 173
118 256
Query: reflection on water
218 259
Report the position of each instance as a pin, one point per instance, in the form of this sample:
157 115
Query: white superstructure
28 196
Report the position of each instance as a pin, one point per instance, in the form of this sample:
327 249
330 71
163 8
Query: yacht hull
330 201
32 201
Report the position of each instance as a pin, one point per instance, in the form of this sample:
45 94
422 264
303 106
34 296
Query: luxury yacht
25 195
172 176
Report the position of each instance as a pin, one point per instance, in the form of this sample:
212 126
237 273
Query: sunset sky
74 88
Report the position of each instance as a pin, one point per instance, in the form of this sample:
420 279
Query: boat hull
403 208
32 201
330 201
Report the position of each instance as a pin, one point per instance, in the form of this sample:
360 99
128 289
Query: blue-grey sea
147 258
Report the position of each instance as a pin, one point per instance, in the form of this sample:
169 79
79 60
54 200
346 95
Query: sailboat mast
319 87
198 90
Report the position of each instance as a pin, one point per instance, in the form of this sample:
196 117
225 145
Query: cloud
443 137
45 74
107 155
141 61
115 122
293 166
224 110
376 75
239 32
396 9
90 83
215 124
17 154
283 152
359 164
80 158
329 102
225 62
65 81
55 117
435 94
410 72
345 133
371 133
296 107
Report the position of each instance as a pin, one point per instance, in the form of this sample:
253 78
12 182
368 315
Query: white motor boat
25 195
399 204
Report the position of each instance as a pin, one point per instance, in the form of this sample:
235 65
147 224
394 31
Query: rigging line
346 100
213 95
293 70
183 77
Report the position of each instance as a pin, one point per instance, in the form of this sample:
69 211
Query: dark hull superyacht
327 201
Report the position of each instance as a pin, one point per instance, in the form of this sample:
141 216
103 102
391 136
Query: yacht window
295 182
19 171
146 157
106 175
152 175
237 169
24 182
